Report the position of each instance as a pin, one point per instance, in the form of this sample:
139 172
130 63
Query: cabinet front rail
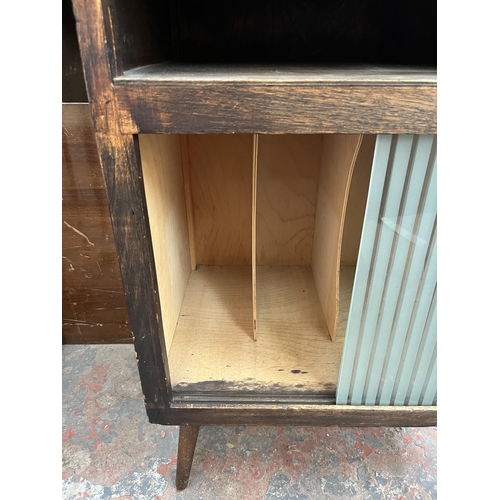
306 415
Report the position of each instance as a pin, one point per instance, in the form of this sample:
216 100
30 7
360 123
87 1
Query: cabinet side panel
135 33
163 184
286 198
221 185
337 163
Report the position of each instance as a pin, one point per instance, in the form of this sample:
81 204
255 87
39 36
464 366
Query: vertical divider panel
356 203
163 185
189 199
337 164
255 154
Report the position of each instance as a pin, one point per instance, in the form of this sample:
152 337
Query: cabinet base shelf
213 351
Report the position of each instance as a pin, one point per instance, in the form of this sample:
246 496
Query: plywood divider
189 198
206 208
163 183
356 204
255 155
339 156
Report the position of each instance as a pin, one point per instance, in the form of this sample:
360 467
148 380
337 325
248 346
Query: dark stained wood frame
262 108
188 435
144 101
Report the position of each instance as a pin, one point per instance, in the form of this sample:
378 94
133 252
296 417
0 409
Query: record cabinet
270 172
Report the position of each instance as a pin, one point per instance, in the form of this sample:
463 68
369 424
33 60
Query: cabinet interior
173 33
255 239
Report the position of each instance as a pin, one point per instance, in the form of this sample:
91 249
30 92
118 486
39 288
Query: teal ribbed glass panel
389 355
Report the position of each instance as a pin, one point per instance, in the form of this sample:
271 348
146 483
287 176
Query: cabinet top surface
171 73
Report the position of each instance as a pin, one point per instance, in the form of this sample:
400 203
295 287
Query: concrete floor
110 451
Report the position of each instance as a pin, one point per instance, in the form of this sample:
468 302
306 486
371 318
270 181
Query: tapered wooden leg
188 434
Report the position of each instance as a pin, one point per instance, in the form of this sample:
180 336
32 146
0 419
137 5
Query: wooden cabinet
242 192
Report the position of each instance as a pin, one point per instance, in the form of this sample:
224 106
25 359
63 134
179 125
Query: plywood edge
189 198
344 196
339 156
255 152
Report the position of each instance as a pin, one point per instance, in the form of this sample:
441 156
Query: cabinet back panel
359 31
221 187
317 31
287 185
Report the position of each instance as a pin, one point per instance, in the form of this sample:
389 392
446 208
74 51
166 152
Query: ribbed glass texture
389 355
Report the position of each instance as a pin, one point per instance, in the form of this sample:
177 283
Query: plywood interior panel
186 169
163 184
213 348
221 187
288 168
337 163
356 203
255 200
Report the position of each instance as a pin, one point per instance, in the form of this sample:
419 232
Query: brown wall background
93 304
93 301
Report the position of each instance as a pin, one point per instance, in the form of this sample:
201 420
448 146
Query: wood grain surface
213 347
121 164
188 435
188 73
186 169
338 158
288 169
164 187
221 187
93 306
121 108
283 414
356 202
277 108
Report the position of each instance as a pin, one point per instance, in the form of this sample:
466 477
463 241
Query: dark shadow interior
359 32
300 31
